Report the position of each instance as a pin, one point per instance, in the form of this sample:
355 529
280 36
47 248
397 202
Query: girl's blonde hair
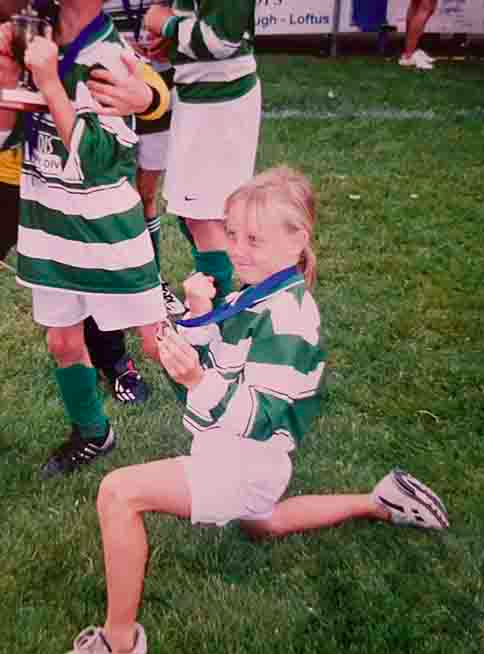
285 195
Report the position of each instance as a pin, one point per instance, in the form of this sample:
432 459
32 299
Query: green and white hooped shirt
81 224
212 49
263 369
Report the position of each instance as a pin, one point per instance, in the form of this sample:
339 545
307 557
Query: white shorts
236 478
153 150
211 153
54 308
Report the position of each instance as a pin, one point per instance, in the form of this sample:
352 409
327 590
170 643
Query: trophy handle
26 81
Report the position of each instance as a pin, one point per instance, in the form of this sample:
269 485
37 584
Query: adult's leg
124 496
305 512
418 14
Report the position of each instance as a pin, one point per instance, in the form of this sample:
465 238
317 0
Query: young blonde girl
251 393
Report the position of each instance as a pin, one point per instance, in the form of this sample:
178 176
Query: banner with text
451 16
288 17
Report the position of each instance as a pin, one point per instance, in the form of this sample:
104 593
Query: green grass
401 297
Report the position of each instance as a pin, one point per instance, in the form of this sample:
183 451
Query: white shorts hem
64 308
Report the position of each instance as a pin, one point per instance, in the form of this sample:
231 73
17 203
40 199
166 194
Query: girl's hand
179 359
41 58
199 293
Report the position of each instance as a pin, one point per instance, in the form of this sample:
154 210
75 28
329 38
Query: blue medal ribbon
248 298
79 42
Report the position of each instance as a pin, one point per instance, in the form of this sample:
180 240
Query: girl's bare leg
304 512
124 496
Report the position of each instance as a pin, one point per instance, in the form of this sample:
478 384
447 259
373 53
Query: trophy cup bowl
26 26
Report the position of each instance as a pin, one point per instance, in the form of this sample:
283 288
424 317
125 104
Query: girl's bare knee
112 493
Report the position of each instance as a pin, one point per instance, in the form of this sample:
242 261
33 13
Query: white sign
451 16
293 17
272 16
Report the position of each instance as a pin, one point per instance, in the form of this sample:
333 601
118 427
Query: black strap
135 17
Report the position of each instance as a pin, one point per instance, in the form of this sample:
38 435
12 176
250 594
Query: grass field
397 161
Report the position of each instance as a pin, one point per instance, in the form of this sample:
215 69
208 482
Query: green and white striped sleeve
216 33
277 388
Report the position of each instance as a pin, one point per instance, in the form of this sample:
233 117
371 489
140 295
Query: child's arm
41 57
180 359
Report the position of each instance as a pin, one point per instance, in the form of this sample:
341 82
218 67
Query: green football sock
217 264
187 234
153 226
78 390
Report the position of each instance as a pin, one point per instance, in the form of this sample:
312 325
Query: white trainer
417 60
426 56
410 502
92 640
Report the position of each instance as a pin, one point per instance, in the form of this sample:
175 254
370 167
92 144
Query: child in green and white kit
215 122
83 247
252 391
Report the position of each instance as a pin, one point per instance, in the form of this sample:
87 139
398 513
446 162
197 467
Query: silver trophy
26 26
